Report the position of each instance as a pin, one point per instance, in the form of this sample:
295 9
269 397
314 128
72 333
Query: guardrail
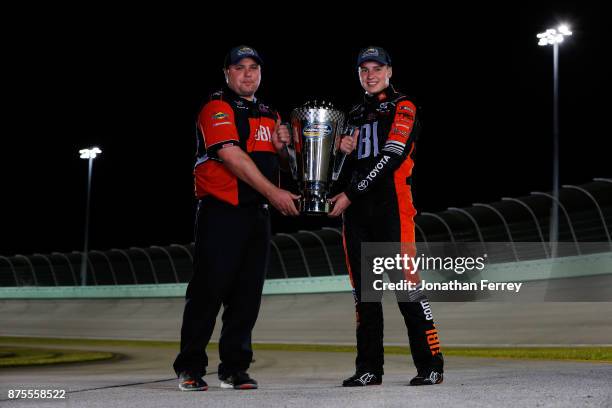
587 217
541 269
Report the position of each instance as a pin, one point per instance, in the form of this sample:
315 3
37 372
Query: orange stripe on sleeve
403 122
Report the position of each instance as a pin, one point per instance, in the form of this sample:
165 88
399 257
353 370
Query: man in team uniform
239 139
377 206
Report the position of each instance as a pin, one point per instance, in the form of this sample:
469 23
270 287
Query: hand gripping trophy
314 157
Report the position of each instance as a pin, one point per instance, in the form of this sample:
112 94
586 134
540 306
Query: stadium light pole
555 37
90 155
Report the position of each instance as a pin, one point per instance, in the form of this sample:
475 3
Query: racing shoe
362 378
191 382
428 377
238 381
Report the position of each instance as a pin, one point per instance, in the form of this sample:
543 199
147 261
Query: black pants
231 256
422 333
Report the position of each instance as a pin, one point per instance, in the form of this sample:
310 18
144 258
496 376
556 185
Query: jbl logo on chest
263 134
368 140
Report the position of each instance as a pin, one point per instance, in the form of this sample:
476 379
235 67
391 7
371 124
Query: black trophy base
314 206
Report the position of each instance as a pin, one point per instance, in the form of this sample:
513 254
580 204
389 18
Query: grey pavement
316 318
306 379
144 378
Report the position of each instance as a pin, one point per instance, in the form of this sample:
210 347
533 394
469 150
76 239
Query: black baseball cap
373 53
242 51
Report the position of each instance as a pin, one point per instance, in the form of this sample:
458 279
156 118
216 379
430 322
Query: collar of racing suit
386 94
234 96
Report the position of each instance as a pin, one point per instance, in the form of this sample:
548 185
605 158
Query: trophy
314 155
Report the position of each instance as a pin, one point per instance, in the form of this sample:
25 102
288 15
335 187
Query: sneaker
191 382
238 381
428 377
363 378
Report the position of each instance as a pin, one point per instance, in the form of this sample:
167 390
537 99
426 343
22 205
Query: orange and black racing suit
381 210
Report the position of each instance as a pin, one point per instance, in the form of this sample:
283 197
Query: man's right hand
243 167
283 201
347 144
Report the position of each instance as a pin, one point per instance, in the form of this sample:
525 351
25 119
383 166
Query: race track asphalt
144 378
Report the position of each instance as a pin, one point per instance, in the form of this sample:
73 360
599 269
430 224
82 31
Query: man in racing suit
377 206
239 141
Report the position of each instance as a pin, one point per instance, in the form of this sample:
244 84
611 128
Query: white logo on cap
245 51
370 52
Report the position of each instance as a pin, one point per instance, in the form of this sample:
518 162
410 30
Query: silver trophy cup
314 157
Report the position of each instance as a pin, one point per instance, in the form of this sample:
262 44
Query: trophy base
314 207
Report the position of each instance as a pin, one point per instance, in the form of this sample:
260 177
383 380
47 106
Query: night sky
131 82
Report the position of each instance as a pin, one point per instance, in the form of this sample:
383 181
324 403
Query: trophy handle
290 149
340 156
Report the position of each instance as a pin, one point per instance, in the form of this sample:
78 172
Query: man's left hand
280 137
340 202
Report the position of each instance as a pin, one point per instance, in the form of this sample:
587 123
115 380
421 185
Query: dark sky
132 81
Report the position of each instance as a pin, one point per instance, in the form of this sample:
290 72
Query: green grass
602 354
24 356
87 342
537 353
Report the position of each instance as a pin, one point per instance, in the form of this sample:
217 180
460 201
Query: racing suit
381 210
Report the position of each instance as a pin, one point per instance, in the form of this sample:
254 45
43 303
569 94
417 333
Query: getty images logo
363 184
